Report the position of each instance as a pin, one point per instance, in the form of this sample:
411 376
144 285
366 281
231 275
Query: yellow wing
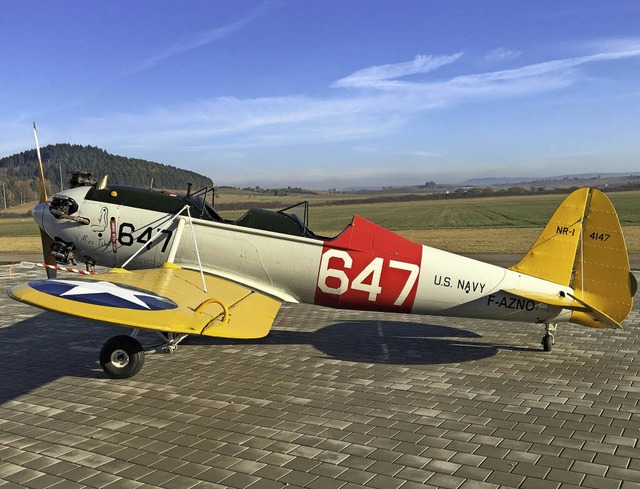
169 299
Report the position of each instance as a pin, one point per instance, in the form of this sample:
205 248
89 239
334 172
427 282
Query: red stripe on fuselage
369 267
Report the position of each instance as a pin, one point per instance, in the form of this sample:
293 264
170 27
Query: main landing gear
548 340
122 356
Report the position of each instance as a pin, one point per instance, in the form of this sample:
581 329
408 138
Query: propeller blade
43 187
46 240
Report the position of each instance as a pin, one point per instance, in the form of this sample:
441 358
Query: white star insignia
89 288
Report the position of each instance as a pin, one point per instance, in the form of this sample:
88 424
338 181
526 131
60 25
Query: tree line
19 172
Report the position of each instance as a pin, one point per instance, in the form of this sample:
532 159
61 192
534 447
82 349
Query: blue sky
329 93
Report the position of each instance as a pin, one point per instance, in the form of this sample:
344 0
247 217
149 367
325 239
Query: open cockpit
292 220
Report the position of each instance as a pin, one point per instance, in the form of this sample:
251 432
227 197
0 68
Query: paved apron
330 399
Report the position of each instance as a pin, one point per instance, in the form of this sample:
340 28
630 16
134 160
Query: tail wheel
121 357
547 342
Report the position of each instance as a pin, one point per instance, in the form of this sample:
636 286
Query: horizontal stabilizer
568 301
599 316
551 299
168 299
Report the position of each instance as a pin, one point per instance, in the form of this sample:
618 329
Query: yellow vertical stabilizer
583 247
553 255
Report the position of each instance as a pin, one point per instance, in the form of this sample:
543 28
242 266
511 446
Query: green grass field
425 221
18 227
498 212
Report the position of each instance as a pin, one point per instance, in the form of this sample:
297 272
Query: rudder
602 274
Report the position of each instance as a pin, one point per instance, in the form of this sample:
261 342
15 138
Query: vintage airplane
201 274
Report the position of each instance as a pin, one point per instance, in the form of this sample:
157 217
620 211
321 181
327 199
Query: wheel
121 357
547 342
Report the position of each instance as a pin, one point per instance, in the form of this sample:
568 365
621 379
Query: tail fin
582 247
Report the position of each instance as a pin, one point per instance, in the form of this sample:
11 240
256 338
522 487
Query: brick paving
330 399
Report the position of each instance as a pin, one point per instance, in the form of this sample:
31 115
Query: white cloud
385 150
380 77
199 39
424 154
236 124
502 54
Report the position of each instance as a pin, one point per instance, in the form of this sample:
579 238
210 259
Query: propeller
46 240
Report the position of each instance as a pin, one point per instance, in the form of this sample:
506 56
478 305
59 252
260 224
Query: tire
121 357
547 342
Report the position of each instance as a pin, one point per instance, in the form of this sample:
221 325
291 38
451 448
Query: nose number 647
336 281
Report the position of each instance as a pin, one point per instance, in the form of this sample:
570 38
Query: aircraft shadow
375 341
49 346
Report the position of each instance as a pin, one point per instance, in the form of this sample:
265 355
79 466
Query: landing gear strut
171 341
548 340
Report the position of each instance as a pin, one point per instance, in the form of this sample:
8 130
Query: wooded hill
19 172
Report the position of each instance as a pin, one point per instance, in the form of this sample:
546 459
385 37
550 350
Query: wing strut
195 243
167 224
